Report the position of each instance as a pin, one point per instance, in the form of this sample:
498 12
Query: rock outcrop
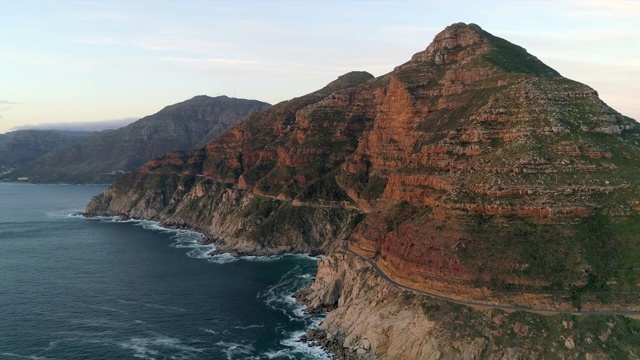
473 170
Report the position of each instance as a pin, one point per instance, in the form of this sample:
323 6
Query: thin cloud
95 40
620 9
53 60
175 43
211 61
413 31
113 17
8 103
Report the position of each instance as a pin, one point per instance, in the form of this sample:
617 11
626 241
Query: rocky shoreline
369 318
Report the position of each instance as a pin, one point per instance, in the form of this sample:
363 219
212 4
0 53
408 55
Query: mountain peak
454 43
350 79
460 42
459 35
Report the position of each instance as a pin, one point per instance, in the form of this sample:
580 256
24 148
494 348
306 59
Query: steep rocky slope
473 170
371 319
181 126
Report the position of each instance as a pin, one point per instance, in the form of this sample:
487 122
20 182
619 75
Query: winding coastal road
477 304
483 305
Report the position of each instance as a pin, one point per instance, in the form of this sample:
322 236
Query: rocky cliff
473 170
109 154
371 319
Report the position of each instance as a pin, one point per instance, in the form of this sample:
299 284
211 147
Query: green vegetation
612 250
258 171
279 179
374 188
544 335
368 187
446 119
513 58
260 207
537 252
399 214
325 188
594 260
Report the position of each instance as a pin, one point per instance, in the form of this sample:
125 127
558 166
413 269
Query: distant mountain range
83 126
103 156
23 146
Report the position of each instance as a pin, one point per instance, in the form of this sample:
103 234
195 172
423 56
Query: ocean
96 288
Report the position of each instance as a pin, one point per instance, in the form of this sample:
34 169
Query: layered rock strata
473 170
372 319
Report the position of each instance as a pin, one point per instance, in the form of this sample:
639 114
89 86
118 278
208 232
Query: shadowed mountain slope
181 126
22 146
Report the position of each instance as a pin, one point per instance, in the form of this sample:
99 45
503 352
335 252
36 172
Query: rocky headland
473 171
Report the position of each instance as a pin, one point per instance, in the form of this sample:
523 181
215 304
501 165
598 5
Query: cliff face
372 319
202 190
110 153
473 170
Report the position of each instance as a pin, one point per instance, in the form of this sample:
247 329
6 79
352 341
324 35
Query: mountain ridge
22 146
182 126
473 170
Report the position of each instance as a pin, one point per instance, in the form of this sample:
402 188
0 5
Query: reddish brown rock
461 163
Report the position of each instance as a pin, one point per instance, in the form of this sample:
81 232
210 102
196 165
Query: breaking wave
278 296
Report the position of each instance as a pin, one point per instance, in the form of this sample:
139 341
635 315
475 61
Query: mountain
83 126
181 126
473 172
22 146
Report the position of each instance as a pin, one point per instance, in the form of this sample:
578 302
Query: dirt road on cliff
486 306
475 304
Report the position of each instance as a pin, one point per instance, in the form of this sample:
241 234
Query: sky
80 61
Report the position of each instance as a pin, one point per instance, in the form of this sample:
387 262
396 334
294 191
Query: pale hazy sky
63 61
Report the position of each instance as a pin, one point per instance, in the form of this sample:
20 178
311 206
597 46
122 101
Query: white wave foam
104 308
211 331
224 258
237 351
248 327
17 356
149 347
189 239
201 252
298 347
152 305
280 297
182 239
63 214
97 323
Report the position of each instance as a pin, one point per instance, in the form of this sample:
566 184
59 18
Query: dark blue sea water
78 288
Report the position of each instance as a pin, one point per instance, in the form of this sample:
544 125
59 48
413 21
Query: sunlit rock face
472 170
